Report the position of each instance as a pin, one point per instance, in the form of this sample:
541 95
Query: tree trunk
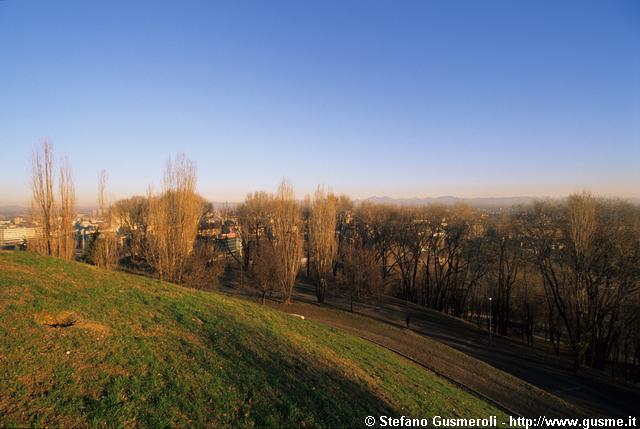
321 287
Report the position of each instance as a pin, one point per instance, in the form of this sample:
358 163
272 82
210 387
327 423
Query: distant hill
80 347
488 202
12 210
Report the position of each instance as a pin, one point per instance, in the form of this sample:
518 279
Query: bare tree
507 256
587 256
44 202
379 220
105 249
54 214
344 208
66 241
360 274
254 216
564 266
174 217
322 239
266 271
203 266
132 215
307 206
287 238
410 238
254 219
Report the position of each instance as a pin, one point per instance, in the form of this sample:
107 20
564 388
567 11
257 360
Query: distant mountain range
15 210
449 200
485 202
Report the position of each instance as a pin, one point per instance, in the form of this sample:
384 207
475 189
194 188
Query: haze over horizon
402 100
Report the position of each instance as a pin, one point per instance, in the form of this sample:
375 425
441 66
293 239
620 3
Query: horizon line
373 197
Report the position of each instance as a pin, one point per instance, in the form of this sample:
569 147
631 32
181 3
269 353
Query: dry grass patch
62 319
69 319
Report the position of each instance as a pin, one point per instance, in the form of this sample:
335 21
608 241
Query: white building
10 236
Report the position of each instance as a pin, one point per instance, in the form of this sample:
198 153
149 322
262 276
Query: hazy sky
398 98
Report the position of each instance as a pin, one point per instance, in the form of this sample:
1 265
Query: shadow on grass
289 387
239 372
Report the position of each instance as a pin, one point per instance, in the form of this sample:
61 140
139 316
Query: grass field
509 391
84 347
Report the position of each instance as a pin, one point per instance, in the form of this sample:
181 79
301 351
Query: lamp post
490 320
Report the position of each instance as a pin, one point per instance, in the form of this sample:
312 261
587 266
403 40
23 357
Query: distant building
12 236
229 243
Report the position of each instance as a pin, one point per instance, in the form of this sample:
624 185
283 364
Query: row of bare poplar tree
565 270
53 203
168 220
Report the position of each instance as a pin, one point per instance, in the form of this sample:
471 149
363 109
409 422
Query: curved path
589 390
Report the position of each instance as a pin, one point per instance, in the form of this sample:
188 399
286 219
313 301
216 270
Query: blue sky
424 98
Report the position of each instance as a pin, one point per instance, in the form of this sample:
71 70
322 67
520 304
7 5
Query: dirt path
528 381
589 390
509 392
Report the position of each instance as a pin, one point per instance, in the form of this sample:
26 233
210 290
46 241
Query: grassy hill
81 346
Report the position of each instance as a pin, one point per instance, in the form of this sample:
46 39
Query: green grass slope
84 347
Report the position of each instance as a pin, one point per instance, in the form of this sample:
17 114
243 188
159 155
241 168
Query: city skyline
417 100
